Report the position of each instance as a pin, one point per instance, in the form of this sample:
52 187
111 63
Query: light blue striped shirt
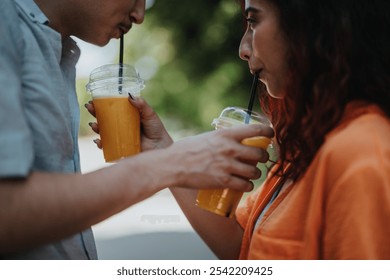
39 112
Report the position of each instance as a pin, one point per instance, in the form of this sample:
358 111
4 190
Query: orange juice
119 127
224 202
257 141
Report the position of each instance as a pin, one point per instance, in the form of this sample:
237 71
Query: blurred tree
205 75
188 53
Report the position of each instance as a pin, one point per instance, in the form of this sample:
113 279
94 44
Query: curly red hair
339 51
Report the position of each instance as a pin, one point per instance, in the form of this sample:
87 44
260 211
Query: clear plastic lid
115 80
232 116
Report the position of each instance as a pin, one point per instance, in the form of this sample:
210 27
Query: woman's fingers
94 127
90 108
145 110
98 143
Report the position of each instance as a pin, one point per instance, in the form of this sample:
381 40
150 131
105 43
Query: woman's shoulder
358 149
362 137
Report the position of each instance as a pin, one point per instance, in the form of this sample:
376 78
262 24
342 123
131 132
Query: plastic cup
119 121
224 202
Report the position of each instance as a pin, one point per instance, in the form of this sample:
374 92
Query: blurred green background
187 51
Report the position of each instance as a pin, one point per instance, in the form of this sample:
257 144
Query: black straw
120 74
252 97
121 50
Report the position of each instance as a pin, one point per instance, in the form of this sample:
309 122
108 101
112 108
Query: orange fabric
340 209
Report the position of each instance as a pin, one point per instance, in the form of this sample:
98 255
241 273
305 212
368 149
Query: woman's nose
245 49
137 14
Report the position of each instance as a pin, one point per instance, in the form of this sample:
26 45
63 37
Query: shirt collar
32 11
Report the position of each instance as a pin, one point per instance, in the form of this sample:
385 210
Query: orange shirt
340 208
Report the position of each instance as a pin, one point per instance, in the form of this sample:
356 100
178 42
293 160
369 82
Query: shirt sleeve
16 153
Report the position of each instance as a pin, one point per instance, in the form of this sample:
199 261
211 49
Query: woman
325 73
325 69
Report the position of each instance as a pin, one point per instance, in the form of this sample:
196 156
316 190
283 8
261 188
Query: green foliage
206 73
188 53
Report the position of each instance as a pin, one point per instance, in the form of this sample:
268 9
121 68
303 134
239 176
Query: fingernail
130 95
95 141
90 101
86 105
90 124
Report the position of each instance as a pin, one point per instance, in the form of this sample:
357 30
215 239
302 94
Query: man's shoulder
8 9
10 32
10 26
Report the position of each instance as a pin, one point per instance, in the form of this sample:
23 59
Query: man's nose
137 14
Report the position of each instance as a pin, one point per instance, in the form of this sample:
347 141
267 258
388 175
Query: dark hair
339 51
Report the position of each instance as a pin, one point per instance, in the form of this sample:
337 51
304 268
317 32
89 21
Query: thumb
146 112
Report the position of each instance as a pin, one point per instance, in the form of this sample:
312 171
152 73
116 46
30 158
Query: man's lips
254 71
125 28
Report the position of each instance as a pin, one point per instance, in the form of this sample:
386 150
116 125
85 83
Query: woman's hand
153 132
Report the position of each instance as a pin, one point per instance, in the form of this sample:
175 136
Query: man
46 206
